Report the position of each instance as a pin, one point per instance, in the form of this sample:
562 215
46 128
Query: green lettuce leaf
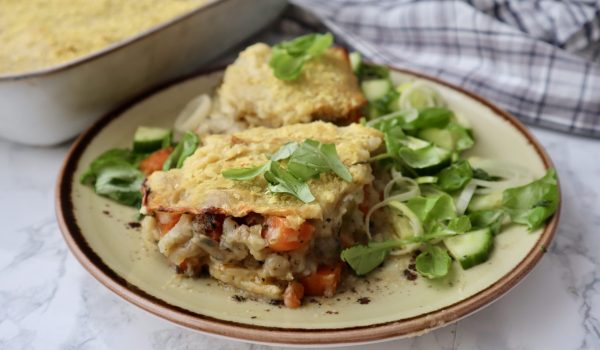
433 262
533 203
433 209
185 148
455 177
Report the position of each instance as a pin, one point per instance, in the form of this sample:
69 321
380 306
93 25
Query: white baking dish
52 105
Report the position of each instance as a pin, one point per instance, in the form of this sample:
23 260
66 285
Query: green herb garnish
365 258
433 262
185 148
288 58
433 209
305 161
455 176
533 203
491 218
121 183
283 181
114 174
483 175
312 158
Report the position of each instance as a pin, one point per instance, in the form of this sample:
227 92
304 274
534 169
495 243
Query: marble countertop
48 301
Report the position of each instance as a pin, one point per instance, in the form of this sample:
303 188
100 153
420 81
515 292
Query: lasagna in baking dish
272 245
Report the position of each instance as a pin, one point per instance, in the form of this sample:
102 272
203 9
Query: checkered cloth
537 59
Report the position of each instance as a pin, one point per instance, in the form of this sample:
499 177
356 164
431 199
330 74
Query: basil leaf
121 183
171 161
299 45
244 174
310 45
306 160
319 45
288 58
533 203
281 181
189 144
286 67
333 161
185 148
312 158
285 151
433 262
455 176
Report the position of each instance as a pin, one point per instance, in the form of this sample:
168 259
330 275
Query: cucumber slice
424 157
486 202
402 87
439 137
471 248
415 143
420 95
375 89
149 139
355 61
454 137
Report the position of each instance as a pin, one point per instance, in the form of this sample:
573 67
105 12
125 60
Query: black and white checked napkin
540 60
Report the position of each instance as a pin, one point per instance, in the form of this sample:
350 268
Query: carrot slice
155 161
292 297
323 282
166 221
282 238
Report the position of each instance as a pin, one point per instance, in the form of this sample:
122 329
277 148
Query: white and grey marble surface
48 301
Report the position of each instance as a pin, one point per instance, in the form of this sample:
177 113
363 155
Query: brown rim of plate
381 331
118 45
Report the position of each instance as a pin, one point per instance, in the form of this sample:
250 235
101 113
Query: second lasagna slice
269 244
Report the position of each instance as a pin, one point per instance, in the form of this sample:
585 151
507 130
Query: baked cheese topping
40 33
200 187
326 89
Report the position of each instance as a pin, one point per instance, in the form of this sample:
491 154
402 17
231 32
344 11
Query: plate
104 238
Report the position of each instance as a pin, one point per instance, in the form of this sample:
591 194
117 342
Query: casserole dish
52 105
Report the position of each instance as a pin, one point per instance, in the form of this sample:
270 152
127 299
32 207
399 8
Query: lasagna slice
251 95
271 245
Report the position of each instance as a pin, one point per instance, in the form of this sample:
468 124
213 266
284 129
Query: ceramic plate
103 237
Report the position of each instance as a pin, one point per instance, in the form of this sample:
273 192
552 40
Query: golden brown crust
325 90
199 187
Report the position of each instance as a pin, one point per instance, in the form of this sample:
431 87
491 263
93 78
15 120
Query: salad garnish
118 173
306 160
288 57
439 202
